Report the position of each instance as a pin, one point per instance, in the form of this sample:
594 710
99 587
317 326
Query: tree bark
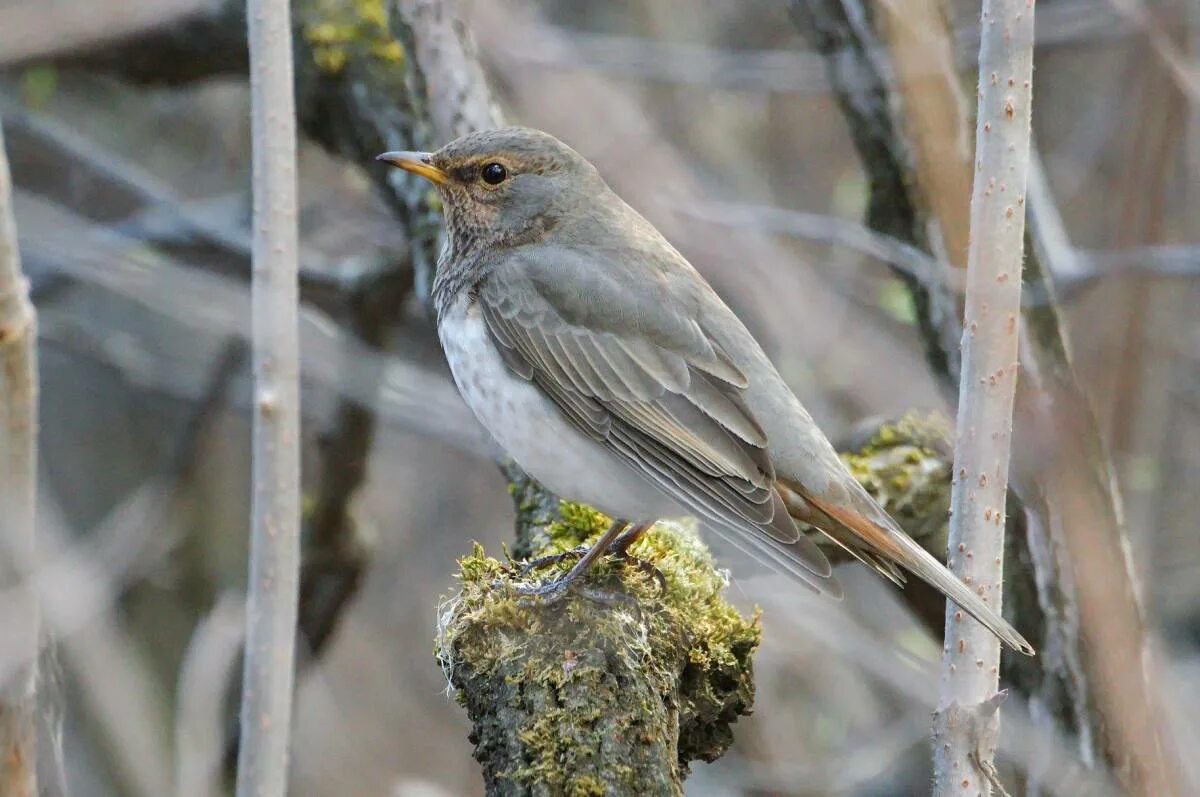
966 722
18 500
275 526
587 697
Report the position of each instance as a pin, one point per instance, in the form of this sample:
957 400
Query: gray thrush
609 369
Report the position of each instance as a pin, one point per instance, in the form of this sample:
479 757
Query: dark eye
493 173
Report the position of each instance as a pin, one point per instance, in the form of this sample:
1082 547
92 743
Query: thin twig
32 30
113 677
18 499
209 663
1075 270
965 726
275 528
1069 22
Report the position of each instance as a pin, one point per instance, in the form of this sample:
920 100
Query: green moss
906 467
658 669
337 29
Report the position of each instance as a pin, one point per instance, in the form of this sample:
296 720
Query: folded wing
661 396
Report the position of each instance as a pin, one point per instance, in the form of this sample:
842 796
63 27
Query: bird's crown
517 149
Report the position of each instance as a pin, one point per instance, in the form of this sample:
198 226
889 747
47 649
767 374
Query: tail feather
880 535
802 511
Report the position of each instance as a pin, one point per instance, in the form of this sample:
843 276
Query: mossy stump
592 698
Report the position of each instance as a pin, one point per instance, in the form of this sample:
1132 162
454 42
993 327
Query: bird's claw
552 559
646 566
557 590
554 591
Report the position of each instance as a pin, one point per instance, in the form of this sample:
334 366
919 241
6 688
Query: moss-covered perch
584 698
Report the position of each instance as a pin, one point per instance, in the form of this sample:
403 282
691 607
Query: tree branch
335 558
587 698
965 736
18 501
860 75
275 528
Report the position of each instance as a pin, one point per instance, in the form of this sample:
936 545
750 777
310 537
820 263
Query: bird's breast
531 429
505 404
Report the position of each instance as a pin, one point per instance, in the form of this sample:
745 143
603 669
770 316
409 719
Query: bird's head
502 187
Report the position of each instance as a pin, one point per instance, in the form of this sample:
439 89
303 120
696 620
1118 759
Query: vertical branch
858 72
965 733
275 528
921 44
18 497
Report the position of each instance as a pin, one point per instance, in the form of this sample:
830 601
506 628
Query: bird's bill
417 163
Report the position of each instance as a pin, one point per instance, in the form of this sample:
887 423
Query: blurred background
133 204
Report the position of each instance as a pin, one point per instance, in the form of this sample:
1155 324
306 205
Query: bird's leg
620 545
612 542
582 550
559 587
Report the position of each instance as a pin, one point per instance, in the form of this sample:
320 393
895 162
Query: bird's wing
646 382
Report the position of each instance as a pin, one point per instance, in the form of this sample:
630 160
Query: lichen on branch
586 697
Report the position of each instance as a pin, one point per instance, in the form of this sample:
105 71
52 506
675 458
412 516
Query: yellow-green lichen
906 467
337 29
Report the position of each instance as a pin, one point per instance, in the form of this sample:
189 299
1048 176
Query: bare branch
1075 270
209 663
110 670
922 54
31 29
965 730
782 70
1086 585
18 500
275 526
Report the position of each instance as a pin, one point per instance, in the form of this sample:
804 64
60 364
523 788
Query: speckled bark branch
965 725
18 498
275 525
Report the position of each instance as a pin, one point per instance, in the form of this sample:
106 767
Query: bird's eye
493 173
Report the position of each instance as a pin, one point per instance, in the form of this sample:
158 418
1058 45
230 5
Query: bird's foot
554 591
552 559
559 589
645 565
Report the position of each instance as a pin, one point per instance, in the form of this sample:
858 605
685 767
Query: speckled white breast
530 428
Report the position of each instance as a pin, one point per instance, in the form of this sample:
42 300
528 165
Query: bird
602 362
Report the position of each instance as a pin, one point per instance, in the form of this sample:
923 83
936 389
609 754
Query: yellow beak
417 163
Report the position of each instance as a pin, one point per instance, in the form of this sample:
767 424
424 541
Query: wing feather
674 412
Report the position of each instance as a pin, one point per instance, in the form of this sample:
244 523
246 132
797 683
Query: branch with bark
18 501
273 587
588 697
965 733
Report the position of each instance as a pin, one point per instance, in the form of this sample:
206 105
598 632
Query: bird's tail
872 535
